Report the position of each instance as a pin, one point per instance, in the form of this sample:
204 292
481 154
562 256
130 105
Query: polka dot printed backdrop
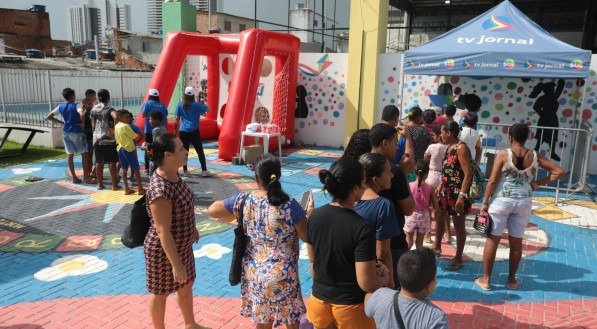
506 101
326 92
388 83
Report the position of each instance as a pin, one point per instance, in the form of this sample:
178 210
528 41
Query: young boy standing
410 308
155 120
104 145
127 151
74 141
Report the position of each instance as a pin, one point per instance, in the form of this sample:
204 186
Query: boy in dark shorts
103 117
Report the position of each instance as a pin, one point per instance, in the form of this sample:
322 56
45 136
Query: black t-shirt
340 237
398 191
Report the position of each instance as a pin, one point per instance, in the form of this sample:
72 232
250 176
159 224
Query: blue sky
270 10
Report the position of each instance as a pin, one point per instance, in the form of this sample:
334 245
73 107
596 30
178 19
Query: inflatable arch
251 47
176 47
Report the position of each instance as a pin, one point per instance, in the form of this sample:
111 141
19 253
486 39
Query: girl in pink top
423 195
434 155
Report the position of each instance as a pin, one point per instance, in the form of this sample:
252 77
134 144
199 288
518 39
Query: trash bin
489 165
90 53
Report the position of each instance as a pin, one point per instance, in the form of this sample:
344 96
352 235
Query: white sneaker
206 173
185 174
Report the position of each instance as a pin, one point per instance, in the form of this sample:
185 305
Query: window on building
315 23
145 46
242 27
227 26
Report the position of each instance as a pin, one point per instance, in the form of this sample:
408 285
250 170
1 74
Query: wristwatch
462 193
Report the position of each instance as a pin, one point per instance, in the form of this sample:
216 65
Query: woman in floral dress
457 176
270 286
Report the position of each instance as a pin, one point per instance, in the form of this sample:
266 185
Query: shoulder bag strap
397 311
241 207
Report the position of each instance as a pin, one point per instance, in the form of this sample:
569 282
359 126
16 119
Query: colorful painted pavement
62 264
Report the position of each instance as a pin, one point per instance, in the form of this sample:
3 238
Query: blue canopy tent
501 42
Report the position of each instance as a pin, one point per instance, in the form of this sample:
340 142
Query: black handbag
239 247
138 226
483 224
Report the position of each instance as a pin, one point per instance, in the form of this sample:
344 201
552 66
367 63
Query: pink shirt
437 152
421 195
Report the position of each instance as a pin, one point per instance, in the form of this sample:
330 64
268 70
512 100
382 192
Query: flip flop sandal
486 288
33 178
454 267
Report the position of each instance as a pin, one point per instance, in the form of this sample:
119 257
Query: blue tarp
501 42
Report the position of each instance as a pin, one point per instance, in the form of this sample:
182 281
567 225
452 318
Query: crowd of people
103 135
368 263
366 247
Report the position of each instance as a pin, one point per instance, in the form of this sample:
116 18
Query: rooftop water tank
38 8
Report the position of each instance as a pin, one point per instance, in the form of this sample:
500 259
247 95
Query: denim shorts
128 159
512 212
74 143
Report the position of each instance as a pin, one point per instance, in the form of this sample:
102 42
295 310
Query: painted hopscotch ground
64 266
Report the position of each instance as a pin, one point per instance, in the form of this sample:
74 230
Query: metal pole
96 42
334 28
49 86
322 25
288 22
2 96
313 21
208 16
121 91
255 18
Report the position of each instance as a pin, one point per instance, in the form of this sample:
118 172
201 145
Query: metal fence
27 96
573 147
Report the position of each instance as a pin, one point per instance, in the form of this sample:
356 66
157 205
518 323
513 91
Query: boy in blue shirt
73 138
153 103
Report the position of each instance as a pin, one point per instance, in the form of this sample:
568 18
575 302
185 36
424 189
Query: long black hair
357 145
269 171
164 143
187 100
452 127
343 176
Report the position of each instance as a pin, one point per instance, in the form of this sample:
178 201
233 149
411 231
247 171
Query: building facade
223 22
84 22
154 16
24 29
124 17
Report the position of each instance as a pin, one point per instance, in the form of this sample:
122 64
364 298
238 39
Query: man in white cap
190 112
153 104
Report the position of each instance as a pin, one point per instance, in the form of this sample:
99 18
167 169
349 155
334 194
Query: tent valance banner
501 42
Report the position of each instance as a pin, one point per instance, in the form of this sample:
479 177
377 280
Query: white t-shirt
469 136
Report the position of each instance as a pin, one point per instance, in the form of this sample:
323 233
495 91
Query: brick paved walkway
63 265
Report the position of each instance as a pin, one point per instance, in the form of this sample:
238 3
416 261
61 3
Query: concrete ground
63 266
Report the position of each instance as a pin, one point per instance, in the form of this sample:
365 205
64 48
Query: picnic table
9 129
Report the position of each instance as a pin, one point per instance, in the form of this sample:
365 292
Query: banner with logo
501 42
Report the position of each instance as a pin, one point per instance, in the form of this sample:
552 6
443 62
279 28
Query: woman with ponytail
273 222
424 196
341 247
